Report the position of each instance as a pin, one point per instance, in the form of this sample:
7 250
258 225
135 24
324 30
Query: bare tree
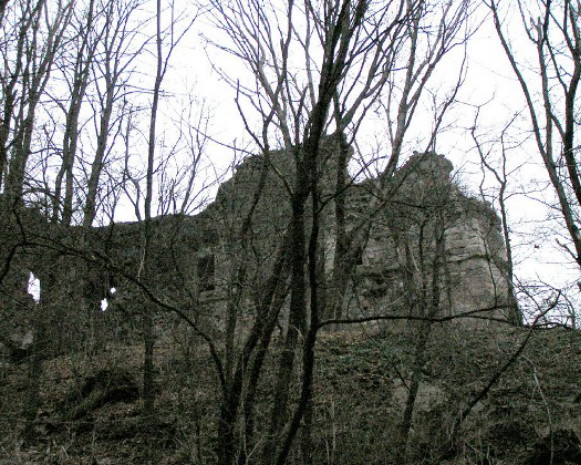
168 39
494 160
39 36
298 108
349 52
548 73
85 40
3 4
112 72
31 43
412 61
316 68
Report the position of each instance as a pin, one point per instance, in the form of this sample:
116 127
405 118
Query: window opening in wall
105 301
206 272
33 287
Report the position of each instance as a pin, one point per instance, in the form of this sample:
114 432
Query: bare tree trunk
3 4
148 324
501 176
427 294
299 113
113 71
80 80
422 337
269 305
6 122
9 86
559 66
34 374
295 330
34 82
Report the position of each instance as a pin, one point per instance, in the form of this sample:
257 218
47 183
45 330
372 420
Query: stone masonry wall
431 250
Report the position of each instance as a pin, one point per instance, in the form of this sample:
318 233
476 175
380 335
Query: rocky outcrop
430 250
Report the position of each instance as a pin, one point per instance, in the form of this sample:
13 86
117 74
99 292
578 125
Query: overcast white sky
489 79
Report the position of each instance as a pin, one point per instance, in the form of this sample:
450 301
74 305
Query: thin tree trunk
148 322
3 5
34 377
296 329
90 209
430 307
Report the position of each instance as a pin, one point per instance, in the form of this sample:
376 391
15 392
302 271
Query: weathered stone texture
399 262
430 250
420 205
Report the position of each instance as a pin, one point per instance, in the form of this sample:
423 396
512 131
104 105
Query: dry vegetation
89 415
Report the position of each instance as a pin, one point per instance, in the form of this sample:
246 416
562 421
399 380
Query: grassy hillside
90 409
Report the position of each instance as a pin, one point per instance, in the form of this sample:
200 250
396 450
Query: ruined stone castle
419 220
426 249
